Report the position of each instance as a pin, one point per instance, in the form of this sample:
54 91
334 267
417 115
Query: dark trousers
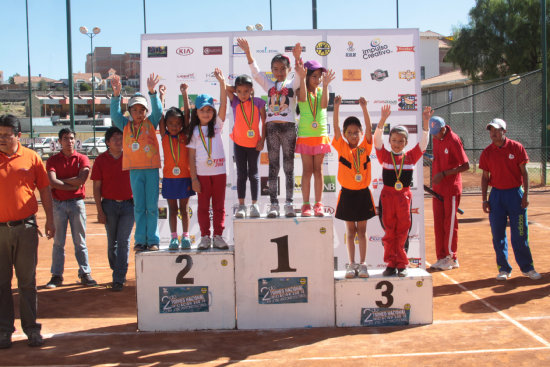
247 160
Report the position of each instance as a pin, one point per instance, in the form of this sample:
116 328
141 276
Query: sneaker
318 209
273 211
389 271
363 271
117 287
139 247
533 275
289 210
306 210
5 340
241 212
437 264
502 275
153 248
87 280
185 243
205 243
402 272
55 281
35 339
453 263
351 270
174 244
446 263
220 243
254 211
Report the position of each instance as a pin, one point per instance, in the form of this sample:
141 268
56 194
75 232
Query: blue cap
436 124
204 100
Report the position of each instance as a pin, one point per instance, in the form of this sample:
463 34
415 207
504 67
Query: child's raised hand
297 51
183 88
300 68
385 112
427 113
328 76
219 75
243 44
162 90
337 101
363 102
116 85
152 82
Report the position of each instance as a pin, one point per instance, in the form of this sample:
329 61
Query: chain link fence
468 110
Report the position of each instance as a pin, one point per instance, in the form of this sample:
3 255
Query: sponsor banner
350 50
384 316
379 75
407 75
350 101
290 49
405 49
212 50
282 290
377 48
185 51
407 102
183 299
322 48
351 75
157 51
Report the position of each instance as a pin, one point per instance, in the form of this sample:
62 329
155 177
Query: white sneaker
437 264
363 271
502 275
220 243
241 212
273 211
533 275
351 270
205 243
453 263
289 210
254 211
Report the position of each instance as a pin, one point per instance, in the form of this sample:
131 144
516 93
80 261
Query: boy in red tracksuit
449 160
397 171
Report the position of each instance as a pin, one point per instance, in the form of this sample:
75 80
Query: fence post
474 127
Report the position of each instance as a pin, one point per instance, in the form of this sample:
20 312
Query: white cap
497 124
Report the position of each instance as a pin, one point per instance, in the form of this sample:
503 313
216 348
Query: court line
499 312
539 225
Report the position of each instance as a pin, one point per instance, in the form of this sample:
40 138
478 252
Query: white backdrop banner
381 65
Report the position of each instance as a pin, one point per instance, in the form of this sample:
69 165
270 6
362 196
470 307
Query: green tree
85 87
11 79
42 85
502 38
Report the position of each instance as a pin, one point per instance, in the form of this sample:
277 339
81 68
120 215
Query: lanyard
251 121
136 134
312 108
397 175
176 161
356 160
209 148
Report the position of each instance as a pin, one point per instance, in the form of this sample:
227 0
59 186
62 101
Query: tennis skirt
177 188
355 205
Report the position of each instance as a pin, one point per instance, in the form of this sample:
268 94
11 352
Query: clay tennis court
477 320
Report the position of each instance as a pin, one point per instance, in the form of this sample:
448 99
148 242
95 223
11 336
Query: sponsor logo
190 76
412 129
405 49
415 210
446 151
379 75
408 75
163 213
350 51
212 50
407 102
237 50
185 51
157 51
385 101
266 50
291 48
511 156
350 101
264 158
322 48
351 75
232 76
375 238
415 262
329 184
376 49
329 210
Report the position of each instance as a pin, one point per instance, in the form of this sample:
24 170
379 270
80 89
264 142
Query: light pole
92 34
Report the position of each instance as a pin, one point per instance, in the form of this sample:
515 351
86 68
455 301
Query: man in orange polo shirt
21 172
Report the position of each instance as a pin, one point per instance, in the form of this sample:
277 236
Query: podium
284 272
185 290
384 301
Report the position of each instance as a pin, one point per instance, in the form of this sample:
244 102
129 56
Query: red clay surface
477 320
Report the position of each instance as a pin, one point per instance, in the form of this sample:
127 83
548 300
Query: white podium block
185 290
284 272
384 301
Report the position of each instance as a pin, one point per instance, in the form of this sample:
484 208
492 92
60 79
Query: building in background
433 49
126 64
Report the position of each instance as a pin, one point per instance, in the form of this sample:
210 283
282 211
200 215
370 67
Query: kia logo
185 51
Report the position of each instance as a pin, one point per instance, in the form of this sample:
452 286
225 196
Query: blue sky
121 23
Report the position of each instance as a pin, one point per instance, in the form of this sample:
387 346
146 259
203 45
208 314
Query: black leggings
246 160
281 134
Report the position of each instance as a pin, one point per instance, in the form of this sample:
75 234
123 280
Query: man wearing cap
21 172
504 169
449 161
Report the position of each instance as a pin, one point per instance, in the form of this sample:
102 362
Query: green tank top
306 125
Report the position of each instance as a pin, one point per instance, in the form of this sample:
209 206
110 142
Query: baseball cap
138 98
204 100
497 124
314 65
436 124
400 130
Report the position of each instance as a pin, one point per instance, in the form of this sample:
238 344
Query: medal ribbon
397 175
312 108
248 123
136 134
356 160
209 148
172 150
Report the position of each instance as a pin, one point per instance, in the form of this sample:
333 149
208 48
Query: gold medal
176 171
209 162
398 185
314 124
358 177
135 147
250 133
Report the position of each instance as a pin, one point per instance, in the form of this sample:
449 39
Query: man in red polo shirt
21 172
503 164
115 206
68 171
449 161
